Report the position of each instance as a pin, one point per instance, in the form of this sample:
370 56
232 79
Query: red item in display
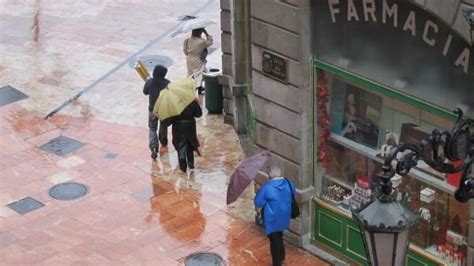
362 182
324 122
453 179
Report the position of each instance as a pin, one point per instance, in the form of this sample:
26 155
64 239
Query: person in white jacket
195 49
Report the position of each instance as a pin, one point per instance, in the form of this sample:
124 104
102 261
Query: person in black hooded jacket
185 139
153 88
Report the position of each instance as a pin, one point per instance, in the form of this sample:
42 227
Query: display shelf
339 182
421 175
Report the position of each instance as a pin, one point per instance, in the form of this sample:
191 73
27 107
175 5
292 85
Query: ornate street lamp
469 15
385 223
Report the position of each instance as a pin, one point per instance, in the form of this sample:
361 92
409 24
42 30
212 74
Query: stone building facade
280 113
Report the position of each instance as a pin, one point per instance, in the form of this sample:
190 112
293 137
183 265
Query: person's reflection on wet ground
177 211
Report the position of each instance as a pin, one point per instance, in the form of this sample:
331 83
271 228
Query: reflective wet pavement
137 211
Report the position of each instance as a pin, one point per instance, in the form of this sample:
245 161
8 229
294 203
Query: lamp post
385 222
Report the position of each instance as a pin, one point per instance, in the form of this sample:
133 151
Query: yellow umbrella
174 98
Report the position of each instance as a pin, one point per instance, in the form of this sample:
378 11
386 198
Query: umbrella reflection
177 211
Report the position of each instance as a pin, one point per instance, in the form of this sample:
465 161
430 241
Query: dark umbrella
244 174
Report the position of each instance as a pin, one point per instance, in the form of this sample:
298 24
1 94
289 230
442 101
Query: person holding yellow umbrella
153 87
178 106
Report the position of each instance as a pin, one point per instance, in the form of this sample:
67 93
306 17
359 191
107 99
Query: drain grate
61 146
8 95
68 191
150 61
204 259
111 156
25 205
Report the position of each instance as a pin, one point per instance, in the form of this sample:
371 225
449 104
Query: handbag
295 209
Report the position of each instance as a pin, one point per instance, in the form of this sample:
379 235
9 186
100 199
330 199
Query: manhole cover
25 205
61 146
68 191
204 259
150 61
8 95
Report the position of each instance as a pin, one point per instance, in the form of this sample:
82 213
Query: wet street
75 112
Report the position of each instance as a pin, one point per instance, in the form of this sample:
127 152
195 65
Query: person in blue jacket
274 198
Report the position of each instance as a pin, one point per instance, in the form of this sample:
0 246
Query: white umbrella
192 24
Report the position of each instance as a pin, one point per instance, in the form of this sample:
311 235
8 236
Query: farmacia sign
388 13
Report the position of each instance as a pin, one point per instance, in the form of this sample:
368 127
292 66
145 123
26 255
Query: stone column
241 64
226 45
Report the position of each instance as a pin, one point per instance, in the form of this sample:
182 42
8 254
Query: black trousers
153 137
162 133
277 248
185 156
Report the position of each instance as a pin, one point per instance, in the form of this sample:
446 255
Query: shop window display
363 127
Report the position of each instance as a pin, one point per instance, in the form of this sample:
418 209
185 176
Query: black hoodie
154 85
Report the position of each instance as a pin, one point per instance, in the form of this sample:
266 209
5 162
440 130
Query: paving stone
7 212
60 177
70 162
9 95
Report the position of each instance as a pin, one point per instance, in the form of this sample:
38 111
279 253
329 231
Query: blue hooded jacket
275 199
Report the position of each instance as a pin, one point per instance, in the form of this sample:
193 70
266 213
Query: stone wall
226 46
236 79
283 112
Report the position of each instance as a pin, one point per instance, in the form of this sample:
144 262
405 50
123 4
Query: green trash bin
213 97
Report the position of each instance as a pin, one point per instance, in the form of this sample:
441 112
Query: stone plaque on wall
275 67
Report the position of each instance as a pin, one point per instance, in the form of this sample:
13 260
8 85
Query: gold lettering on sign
429 25
431 30
333 10
390 12
447 45
463 60
351 11
410 24
369 9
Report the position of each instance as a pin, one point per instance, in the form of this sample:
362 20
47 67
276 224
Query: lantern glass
369 247
384 247
387 248
402 247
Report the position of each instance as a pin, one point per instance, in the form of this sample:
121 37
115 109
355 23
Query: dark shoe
200 90
154 154
183 168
